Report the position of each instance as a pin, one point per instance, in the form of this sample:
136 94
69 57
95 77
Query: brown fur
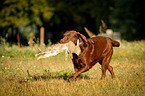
93 50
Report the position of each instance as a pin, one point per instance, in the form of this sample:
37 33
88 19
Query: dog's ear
82 38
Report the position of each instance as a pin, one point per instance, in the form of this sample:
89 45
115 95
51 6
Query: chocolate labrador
93 50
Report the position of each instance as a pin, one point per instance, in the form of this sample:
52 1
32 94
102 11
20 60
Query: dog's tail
115 43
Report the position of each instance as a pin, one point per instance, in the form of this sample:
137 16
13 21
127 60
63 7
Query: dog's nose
61 41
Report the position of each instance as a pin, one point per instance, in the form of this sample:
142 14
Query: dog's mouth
62 41
76 42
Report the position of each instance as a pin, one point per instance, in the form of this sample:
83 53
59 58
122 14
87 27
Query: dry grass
21 74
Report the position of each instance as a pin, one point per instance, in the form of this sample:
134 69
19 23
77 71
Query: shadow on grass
50 75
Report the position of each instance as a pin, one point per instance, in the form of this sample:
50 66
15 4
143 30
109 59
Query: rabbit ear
82 38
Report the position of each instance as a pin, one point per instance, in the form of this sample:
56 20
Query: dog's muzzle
61 41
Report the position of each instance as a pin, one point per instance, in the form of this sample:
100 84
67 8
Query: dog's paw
71 77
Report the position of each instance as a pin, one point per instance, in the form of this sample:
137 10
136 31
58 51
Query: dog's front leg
72 75
77 73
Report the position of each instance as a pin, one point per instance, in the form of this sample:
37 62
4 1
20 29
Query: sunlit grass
21 74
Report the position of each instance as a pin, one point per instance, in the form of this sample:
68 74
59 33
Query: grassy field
21 74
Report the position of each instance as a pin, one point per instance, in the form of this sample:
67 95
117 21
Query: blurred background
22 20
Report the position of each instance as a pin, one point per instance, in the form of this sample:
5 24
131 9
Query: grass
21 74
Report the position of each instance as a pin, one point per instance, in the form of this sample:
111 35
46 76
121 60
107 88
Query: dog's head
73 36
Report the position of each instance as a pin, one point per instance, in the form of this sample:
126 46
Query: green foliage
124 16
23 12
29 31
127 18
80 13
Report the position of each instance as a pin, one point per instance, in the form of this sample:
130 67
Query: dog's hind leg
105 65
104 69
111 71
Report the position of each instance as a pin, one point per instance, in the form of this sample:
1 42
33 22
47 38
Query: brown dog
93 50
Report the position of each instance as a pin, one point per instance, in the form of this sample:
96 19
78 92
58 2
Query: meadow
22 75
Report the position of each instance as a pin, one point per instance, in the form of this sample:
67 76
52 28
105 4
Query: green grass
21 74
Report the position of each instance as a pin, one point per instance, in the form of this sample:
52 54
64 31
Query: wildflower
3 56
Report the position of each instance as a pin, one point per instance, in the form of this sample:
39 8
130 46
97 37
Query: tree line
58 16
